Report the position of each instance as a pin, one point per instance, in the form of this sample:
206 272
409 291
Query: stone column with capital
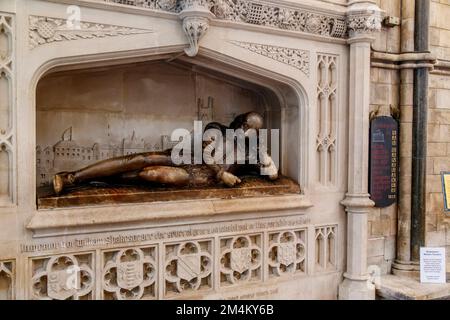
364 20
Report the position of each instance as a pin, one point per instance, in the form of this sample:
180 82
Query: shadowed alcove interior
88 114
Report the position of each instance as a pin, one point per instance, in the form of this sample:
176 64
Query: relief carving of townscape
80 135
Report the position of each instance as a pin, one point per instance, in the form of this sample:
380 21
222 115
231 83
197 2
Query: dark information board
383 161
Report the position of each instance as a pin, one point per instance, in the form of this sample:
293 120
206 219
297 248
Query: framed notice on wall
383 161
446 190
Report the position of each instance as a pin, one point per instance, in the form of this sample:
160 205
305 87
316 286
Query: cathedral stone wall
437 222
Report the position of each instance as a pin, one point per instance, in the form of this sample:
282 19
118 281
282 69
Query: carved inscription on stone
287 252
188 267
240 259
165 267
65 277
130 274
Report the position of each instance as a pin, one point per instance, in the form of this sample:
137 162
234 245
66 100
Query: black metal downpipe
419 131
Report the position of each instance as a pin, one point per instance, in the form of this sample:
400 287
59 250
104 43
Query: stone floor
401 288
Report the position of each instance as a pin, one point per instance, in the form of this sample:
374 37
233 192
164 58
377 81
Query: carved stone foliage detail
43 30
130 274
287 253
258 13
240 259
365 22
326 248
296 58
188 267
327 119
7 280
7 109
65 277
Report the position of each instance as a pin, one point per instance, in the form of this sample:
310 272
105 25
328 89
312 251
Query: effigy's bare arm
268 167
220 170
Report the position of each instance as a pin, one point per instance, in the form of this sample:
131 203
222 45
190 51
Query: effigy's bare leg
111 167
172 176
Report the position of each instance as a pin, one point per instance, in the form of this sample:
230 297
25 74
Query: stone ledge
157 211
401 288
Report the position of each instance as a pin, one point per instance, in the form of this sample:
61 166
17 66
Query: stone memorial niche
119 84
87 116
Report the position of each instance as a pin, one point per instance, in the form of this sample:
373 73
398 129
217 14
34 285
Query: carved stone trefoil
195 15
43 30
296 58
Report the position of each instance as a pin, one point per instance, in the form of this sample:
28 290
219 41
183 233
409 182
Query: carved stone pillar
363 21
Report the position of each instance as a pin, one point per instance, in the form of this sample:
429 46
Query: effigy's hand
268 168
230 179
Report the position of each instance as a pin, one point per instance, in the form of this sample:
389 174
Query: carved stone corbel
196 15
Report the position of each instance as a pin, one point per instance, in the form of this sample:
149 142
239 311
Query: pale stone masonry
134 70
392 87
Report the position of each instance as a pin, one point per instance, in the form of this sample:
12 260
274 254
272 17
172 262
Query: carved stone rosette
188 267
130 274
195 15
287 252
65 277
240 259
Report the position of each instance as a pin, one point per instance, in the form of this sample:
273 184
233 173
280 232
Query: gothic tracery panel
130 274
7 109
240 259
287 252
327 119
7 280
326 248
64 277
188 267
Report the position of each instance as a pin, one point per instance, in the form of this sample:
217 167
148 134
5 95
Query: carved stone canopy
361 17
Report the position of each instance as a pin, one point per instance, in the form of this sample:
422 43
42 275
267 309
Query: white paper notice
432 265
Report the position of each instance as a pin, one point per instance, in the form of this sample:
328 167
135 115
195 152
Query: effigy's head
247 121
